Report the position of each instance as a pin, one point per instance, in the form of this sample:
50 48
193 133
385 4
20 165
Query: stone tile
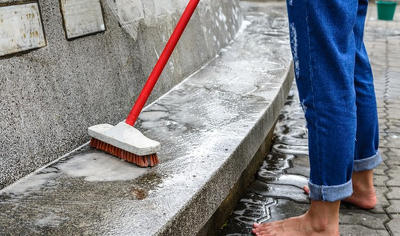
391 141
364 218
279 191
394 69
395 216
379 209
392 72
301 166
394 174
393 155
383 151
393 162
379 180
394 207
383 143
286 208
380 194
394 193
383 127
358 230
392 113
393 125
291 180
394 226
380 170
299 170
382 116
381 110
391 129
392 104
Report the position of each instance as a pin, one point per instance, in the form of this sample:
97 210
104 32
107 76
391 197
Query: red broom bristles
142 161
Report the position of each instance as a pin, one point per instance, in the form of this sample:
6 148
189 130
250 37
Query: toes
256 231
306 189
265 226
265 232
262 232
262 229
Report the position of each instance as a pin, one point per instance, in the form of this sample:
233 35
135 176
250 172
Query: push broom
123 140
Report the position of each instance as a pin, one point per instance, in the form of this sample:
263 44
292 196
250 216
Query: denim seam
311 63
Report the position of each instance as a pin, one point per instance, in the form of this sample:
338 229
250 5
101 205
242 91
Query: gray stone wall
49 96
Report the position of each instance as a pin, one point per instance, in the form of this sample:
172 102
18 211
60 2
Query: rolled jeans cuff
330 193
367 163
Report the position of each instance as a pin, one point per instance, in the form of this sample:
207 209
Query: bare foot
319 220
364 195
298 226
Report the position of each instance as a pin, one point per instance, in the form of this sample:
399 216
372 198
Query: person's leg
364 195
323 48
366 156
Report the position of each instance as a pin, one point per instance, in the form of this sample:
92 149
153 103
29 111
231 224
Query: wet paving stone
392 140
380 180
393 123
251 208
394 193
359 230
279 191
394 207
291 180
394 157
394 174
393 126
363 218
285 208
380 170
301 166
394 226
274 166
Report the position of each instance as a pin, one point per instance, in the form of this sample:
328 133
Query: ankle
363 181
363 189
324 216
319 224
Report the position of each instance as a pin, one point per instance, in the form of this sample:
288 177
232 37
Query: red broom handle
162 61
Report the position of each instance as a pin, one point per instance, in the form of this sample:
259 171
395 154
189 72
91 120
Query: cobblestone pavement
277 192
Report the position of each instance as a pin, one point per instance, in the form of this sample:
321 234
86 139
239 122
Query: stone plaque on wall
20 28
82 17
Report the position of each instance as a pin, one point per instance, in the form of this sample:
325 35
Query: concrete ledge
49 96
224 211
210 126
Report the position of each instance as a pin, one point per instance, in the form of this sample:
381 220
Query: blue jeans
335 84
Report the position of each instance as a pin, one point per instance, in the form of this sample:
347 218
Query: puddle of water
26 186
251 208
100 167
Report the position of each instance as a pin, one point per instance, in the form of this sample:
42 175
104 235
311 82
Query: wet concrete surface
49 96
210 127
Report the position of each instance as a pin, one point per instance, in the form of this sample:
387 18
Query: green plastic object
386 9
